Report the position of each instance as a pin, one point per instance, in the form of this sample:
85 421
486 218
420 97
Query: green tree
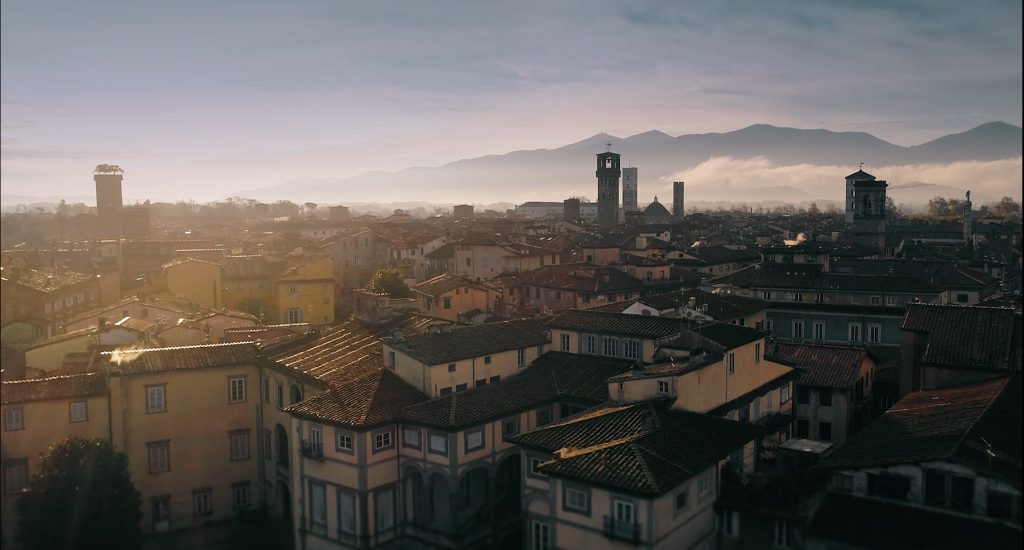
389 281
82 496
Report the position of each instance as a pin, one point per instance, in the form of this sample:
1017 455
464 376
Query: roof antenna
862 166
609 146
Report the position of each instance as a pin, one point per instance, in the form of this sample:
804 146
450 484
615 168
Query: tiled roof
327 355
149 301
976 424
643 326
719 306
821 366
941 274
727 335
842 309
366 395
443 283
580 277
249 267
645 448
62 337
50 280
715 255
54 387
472 341
146 360
811 277
553 376
967 336
856 522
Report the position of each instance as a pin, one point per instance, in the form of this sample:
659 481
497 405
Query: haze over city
200 101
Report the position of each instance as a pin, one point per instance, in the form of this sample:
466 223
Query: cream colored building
197 280
305 292
450 296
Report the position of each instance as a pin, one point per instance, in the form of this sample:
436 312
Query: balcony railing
617 529
312 449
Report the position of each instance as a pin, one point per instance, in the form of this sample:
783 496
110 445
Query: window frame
579 491
150 409
238 440
165 446
350 436
432 437
242 390
383 440
19 467
14 419
474 432
241 487
202 495
408 442
85 411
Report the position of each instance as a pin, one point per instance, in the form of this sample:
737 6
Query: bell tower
869 213
608 173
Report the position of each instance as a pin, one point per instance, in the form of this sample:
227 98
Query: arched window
296 394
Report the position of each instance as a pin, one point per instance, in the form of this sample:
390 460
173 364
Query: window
236 390
535 467
509 427
663 387
731 523
682 500
296 394
876 300
565 342
346 512
411 438
543 417
731 363
384 508
240 495
447 302
890 300
819 298
318 505
202 502
803 395
16 476
480 383
540 536
521 357
623 514
771 325
266 390
268 445
798 297
293 316
631 349
239 442
782 539
803 428
344 442
280 396
854 334
576 500
825 431
292 289
155 399
495 379
757 352
438 444
948 491
445 391
767 295
159 453
451 367
78 411
798 329
961 298
888 485
784 393
825 397
474 440
611 347
14 419
874 333
381 440
704 486
391 359
461 387
590 344
487 359
819 331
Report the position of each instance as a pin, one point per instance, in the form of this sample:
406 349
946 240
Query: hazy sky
201 99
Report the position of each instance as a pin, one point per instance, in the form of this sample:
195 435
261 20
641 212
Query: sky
202 99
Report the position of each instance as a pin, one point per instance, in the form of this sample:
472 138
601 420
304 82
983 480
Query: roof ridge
373 393
451 412
570 452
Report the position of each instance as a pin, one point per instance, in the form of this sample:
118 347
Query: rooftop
967 336
53 387
821 366
471 341
642 326
132 360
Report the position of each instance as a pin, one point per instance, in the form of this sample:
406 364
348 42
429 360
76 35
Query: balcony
617 529
312 449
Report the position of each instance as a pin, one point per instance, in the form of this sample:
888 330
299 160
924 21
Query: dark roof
580 278
967 336
644 448
54 387
811 277
821 366
366 395
857 522
472 341
139 361
961 424
656 210
719 306
717 254
642 326
841 309
940 274
727 335
860 174
553 376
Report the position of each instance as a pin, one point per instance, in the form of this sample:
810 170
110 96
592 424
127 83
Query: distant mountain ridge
536 174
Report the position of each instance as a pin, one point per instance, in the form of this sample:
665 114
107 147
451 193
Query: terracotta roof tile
54 387
472 341
820 366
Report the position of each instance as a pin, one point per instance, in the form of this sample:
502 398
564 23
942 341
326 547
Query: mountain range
554 174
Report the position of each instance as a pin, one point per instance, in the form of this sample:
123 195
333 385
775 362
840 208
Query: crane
908 186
